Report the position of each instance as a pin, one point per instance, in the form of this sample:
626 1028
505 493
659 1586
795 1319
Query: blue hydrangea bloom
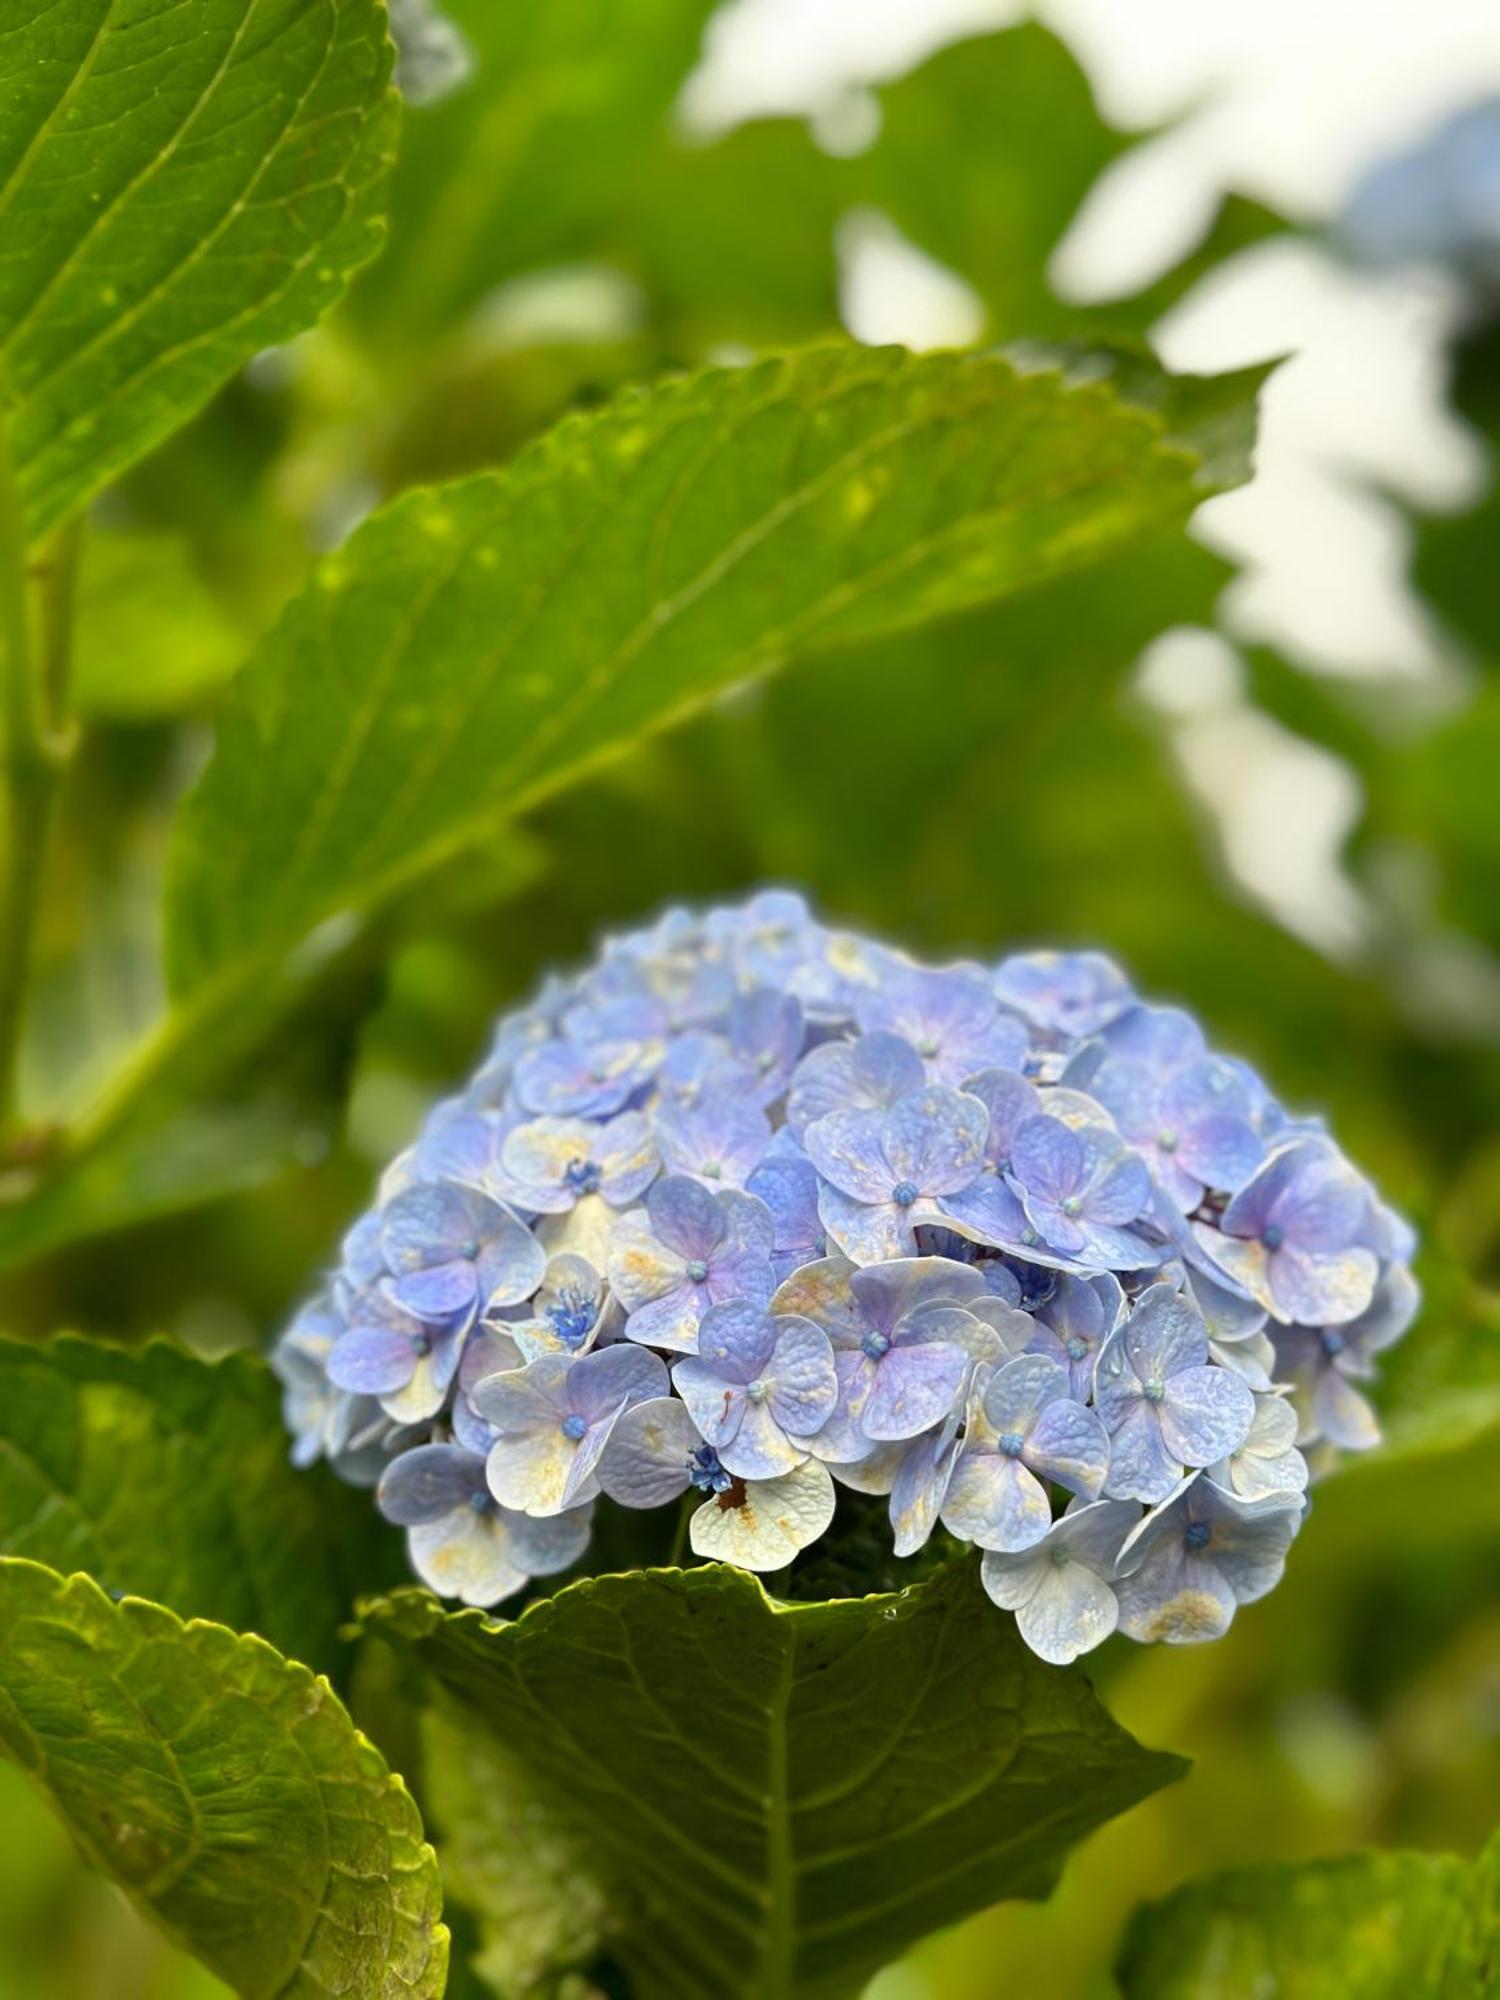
883 1173
758 1388
1165 1405
1023 1428
1186 1567
755 1210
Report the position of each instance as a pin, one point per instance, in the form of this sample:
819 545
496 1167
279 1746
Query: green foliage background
960 767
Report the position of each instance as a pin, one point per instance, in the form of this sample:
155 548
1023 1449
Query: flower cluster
755 1207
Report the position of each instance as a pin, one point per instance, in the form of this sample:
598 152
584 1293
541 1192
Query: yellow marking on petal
1192 1614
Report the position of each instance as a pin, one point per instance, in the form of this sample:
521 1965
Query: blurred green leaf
732 237
169 1477
521 163
179 188
1441 794
983 156
473 648
1369 1927
774 1800
1453 564
528 1879
152 639
224 1789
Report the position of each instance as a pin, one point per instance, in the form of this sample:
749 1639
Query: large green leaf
474 647
772 1800
179 187
168 1477
1369 1927
224 1788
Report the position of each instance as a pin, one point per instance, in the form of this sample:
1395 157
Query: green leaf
527 1878
522 163
983 158
152 640
774 1800
168 1477
225 1789
1375 1926
179 187
475 647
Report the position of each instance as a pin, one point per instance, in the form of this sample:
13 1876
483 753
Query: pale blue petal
1205 1414
914 1388
934 1140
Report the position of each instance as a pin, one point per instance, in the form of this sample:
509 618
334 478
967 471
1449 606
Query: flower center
1331 1341
1011 1443
482 1503
875 1345
705 1472
573 1427
581 1175
572 1318
928 1047
1154 1390
1196 1534
468 1249
904 1193
1074 1348
1073 1205
712 1170
697 1271
1273 1236
1167 1141
757 1390
1060 1557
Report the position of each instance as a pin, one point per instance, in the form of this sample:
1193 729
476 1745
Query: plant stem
33 706
679 1533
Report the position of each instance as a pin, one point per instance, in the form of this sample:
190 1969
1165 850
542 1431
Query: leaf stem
37 745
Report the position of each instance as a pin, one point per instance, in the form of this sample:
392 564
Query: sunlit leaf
224 1789
1369 1927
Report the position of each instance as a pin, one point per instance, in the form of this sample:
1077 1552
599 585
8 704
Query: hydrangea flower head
755 1210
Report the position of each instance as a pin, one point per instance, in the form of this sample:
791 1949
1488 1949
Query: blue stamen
572 1318
574 1427
705 1471
904 1193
